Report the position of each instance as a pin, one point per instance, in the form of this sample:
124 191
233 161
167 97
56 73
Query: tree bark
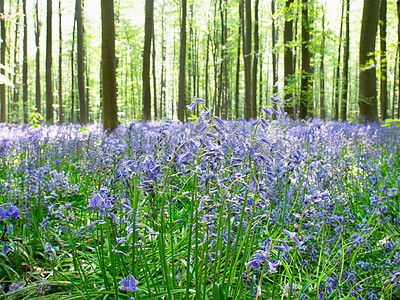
383 87
14 108
60 89
153 56
288 61
255 61
237 81
182 66
274 54
109 83
3 62
80 62
398 59
345 76
49 62
38 94
367 88
246 23
305 63
25 66
148 34
336 94
322 109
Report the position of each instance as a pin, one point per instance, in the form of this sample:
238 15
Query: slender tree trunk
322 108
3 62
49 62
383 87
306 94
237 82
345 76
60 89
163 56
80 62
154 76
336 97
246 23
255 61
206 70
367 95
146 98
14 108
38 94
395 81
182 66
25 66
109 82
73 76
398 60
274 52
288 61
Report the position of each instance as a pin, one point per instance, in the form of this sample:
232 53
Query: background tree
109 83
81 66
383 60
398 59
274 52
345 76
146 98
25 65
3 62
288 59
322 108
367 86
182 66
38 93
49 61
306 93
60 83
249 110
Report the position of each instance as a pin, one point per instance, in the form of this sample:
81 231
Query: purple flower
6 249
192 105
129 284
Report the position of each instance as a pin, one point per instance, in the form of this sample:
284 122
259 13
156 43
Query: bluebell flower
192 105
129 284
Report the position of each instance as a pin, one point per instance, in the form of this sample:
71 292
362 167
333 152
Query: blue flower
129 284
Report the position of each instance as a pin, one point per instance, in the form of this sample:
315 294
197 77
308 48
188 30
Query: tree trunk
246 23
398 59
49 62
367 88
182 66
156 115
306 94
60 89
73 72
146 97
322 109
109 83
336 94
14 108
3 62
237 82
274 54
345 76
288 61
255 61
25 66
80 62
383 87
38 94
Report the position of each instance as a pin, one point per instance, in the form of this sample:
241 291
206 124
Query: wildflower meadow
270 208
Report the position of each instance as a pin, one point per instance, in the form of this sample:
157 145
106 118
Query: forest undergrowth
264 209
